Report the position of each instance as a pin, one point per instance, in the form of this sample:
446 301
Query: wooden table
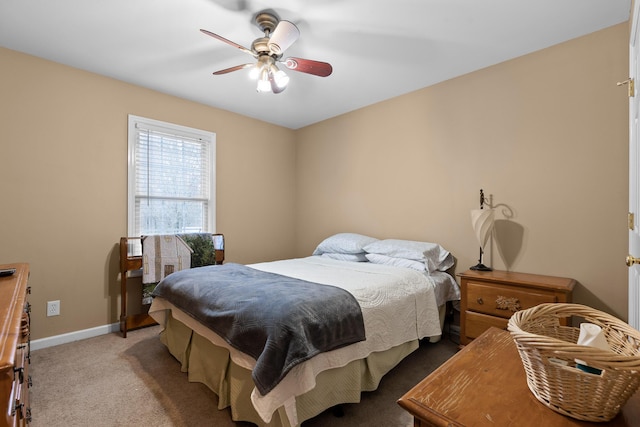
484 384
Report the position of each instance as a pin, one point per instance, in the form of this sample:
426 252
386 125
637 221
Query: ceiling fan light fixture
263 86
254 72
281 79
263 82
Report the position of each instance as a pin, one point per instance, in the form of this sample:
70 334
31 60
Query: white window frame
171 128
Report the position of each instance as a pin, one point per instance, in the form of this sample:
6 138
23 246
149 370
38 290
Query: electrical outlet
53 308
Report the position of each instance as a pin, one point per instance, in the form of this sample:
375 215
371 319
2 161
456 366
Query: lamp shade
482 222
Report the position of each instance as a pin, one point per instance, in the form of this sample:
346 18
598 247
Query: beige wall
63 139
545 134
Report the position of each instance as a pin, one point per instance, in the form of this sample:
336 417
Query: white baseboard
74 336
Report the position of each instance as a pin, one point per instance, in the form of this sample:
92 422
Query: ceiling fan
269 50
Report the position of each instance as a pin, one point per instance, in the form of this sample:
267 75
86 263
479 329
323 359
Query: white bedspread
398 305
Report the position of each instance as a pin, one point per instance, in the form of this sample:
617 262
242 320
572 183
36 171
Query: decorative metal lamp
482 222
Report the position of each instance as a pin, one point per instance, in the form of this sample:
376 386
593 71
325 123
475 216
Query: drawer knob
480 301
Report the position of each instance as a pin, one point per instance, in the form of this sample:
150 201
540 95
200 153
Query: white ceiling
378 49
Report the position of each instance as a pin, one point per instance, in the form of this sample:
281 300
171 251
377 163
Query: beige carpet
111 381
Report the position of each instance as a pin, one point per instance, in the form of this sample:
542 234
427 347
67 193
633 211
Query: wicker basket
548 353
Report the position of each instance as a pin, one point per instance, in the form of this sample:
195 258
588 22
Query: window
171 178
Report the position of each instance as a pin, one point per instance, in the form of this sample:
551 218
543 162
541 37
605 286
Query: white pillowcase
434 256
347 257
396 262
344 243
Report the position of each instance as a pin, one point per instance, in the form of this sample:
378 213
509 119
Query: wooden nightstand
489 298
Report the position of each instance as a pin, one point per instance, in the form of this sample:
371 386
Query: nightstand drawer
477 323
503 300
489 298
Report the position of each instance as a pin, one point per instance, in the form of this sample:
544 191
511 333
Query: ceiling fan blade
317 68
230 69
229 42
285 34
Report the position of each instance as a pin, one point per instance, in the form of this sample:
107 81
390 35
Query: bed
401 288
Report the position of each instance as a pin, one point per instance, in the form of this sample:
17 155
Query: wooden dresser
14 347
489 298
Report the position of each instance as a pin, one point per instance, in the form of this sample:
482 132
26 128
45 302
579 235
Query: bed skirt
211 365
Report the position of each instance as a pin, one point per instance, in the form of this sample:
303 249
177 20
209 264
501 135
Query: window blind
171 179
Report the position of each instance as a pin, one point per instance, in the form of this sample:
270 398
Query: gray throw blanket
278 320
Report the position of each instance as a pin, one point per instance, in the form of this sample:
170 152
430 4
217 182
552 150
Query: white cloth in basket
592 335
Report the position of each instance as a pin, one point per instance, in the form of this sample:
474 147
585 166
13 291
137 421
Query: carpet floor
110 381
